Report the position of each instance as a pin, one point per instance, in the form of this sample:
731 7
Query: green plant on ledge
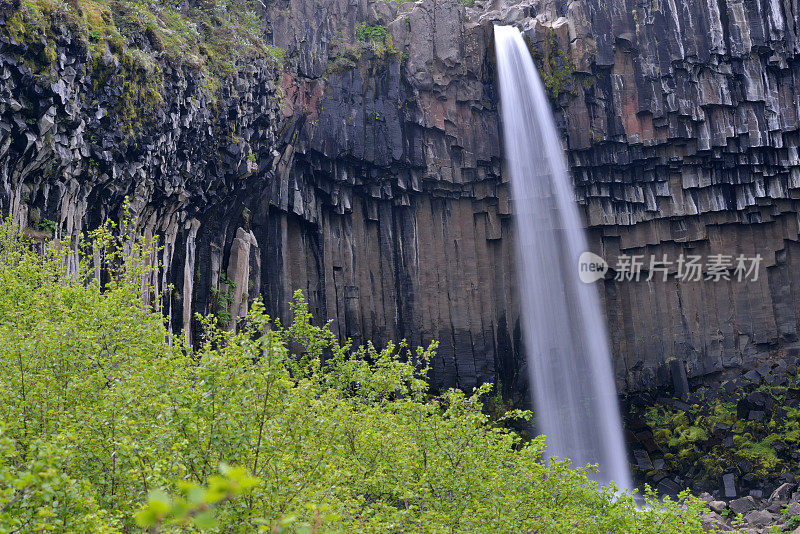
378 37
346 59
367 33
221 300
556 68
46 225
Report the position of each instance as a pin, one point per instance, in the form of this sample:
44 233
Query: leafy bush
378 37
111 424
222 298
366 32
46 225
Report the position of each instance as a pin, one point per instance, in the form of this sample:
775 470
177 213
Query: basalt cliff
365 168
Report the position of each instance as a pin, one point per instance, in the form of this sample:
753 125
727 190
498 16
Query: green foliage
367 33
555 66
369 38
792 521
193 507
276 53
222 298
37 495
346 59
760 453
110 427
688 436
378 37
46 225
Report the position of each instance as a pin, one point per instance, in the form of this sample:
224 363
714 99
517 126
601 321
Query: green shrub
222 298
46 225
110 424
555 66
37 494
378 37
367 33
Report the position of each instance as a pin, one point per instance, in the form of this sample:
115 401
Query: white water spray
565 334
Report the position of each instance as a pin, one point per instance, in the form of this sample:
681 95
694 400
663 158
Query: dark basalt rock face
692 147
370 176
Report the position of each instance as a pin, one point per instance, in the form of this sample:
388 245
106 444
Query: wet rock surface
370 175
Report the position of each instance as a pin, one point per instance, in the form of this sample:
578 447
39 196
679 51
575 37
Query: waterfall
564 329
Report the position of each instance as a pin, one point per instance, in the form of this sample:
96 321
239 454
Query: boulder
760 518
713 521
782 493
742 505
668 487
717 506
642 460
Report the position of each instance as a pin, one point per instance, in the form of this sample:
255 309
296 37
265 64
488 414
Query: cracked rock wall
681 122
683 139
370 176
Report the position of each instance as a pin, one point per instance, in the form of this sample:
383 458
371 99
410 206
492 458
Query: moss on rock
754 430
128 42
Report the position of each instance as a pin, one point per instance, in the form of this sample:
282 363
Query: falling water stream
565 335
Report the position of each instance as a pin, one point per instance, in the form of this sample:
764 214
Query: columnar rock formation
367 171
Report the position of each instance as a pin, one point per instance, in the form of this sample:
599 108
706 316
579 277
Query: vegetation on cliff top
107 426
213 36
